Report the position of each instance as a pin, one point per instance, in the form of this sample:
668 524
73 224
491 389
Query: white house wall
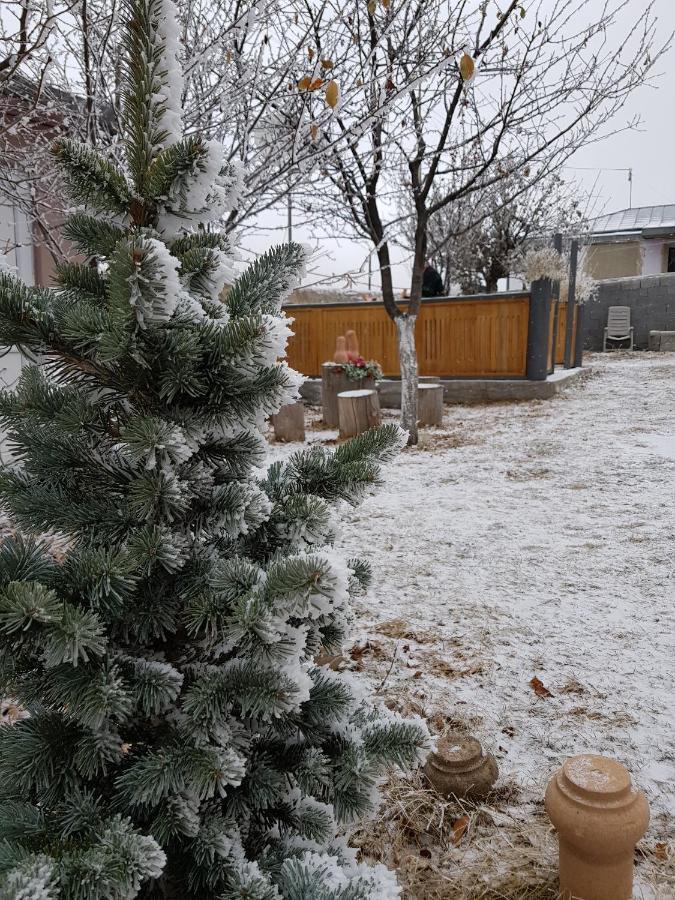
653 258
16 254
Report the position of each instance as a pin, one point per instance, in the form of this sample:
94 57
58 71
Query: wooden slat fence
562 331
483 336
551 336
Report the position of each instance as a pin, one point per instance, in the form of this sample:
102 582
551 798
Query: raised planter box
464 390
662 340
334 381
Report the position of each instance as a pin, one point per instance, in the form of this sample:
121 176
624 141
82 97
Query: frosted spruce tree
173 737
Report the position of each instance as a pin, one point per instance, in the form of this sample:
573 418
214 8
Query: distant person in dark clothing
432 283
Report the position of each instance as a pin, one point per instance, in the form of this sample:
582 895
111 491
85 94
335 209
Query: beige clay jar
599 819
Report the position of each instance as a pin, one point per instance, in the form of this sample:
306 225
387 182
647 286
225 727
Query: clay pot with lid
351 343
459 767
340 355
599 818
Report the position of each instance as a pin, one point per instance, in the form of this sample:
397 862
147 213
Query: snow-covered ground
536 539
532 540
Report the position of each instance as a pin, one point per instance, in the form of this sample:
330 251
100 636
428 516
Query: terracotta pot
340 355
599 819
352 343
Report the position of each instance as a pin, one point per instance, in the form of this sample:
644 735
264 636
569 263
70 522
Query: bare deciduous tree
243 62
475 240
463 95
63 71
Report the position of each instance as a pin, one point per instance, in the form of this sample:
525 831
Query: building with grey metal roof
631 242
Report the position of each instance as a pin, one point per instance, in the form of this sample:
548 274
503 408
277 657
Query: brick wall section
652 303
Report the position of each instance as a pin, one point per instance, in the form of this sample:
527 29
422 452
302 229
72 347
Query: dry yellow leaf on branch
304 83
313 130
372 6
332 94
327 63
385 3
467 67
310 53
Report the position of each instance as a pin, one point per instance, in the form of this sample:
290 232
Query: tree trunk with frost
407 354
405 323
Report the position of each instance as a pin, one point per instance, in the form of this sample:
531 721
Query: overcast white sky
649 151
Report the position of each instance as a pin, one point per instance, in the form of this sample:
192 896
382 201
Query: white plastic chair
618 326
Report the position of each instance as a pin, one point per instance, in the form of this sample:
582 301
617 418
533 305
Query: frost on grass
484 580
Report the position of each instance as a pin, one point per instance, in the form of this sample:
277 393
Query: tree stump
333 382
358 411
289 422
430 404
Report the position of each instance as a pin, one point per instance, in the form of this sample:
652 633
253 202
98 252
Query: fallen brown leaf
539 688
459 827
661 850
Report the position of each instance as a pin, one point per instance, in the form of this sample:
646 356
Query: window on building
671 259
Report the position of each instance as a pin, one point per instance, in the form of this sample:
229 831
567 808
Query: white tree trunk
407 354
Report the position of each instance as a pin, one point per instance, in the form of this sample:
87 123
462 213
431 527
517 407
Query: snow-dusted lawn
537 539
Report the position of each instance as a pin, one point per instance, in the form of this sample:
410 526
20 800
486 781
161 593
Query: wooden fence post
538 330
571 306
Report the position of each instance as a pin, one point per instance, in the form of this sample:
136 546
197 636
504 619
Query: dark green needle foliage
170 735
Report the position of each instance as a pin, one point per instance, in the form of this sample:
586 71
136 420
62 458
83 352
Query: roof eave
614 237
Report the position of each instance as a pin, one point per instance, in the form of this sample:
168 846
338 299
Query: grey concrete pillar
577 359
536 368
555 292
571 303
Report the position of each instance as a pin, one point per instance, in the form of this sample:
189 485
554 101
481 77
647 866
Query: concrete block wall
652 302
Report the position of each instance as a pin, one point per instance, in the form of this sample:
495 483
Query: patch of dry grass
400 628
437 440
449 849
528 474
502 848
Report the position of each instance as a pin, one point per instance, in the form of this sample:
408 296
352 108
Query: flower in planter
358 368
